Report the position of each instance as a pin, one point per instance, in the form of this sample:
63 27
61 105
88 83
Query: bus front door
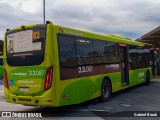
125 66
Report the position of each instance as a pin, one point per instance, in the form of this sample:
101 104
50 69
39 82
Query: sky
128 18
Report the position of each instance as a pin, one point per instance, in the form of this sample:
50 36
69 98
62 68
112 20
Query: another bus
52 65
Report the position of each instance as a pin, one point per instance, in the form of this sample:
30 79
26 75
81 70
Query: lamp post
44 11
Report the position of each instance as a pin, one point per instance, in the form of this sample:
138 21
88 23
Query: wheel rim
105 91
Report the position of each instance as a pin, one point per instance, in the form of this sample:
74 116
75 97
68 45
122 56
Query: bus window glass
144 57
67 51
112 52
100 51
67 57
26 46
85 51
134 57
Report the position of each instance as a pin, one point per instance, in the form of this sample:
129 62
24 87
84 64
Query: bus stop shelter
152 37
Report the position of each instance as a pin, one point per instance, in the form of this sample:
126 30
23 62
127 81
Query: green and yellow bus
52 65
1 67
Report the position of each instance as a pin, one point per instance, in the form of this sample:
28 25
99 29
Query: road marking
125 105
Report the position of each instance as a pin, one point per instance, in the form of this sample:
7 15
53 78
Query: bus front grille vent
24 99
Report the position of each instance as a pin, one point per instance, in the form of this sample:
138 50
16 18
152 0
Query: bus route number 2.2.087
36 72
84 69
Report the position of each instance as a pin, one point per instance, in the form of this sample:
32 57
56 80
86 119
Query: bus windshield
26 46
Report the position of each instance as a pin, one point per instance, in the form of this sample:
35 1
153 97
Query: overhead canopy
152 37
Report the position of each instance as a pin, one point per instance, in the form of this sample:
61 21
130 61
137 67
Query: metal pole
44 10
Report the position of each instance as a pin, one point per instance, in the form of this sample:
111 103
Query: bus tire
147 78
106 90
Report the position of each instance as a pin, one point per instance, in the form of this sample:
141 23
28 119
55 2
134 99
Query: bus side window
133 56
100 51
67 52
85 51
112 52
67 57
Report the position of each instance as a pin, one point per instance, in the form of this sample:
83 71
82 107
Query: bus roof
109 37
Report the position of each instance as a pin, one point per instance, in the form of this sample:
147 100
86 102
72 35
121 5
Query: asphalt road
139 99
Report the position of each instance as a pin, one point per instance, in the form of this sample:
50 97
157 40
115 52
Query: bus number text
36 72
84 69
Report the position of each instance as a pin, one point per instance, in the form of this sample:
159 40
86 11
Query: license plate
23 89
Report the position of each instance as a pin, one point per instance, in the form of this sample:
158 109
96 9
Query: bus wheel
106 90
147 78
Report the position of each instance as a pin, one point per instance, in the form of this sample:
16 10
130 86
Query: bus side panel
1 71
89 87
80 90
137 76
67 93
86 88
